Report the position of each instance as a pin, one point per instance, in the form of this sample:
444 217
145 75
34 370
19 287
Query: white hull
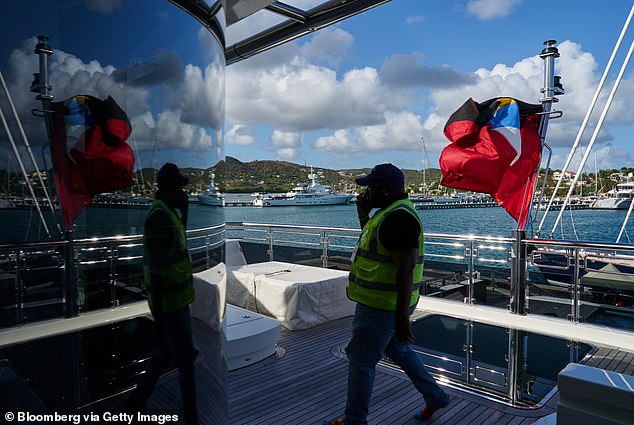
302 201
211 200
611 203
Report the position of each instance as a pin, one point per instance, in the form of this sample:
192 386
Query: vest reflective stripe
377 285
384 258
176 272
372 279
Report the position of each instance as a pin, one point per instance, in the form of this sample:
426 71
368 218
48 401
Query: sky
365 91
369 89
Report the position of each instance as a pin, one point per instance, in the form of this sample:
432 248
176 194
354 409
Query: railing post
518 274
515 366
325 240
207 258
70 277
19 290
470 299
269 236
112 255
575 315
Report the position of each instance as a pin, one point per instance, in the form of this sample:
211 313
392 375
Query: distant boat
304 195
211 197
618 199
418 197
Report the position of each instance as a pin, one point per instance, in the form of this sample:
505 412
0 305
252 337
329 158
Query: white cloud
607 156
413 20
328 45
491 9
401 131
194 102
523 80
240 135
287 144
340 142
199 95
298 96
370 111
168 131
408 71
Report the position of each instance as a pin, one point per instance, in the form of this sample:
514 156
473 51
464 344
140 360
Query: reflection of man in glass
168 276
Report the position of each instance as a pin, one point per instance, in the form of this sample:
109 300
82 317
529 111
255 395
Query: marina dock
447 205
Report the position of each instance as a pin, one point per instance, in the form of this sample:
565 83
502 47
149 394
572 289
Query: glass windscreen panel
514 366
123 87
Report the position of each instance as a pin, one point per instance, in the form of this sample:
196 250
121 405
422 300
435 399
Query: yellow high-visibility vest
372 279
176 273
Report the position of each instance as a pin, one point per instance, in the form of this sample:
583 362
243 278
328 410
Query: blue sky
355 94
366 90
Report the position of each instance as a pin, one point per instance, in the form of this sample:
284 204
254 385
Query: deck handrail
467 256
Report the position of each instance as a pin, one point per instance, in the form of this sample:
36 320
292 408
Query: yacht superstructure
302 195
619 199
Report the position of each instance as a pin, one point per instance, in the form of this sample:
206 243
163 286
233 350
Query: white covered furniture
247 337
211 294
590 396
298 296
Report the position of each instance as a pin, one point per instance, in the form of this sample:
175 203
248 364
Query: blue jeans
174 342
372 337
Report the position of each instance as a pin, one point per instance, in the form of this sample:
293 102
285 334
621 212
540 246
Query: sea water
20 225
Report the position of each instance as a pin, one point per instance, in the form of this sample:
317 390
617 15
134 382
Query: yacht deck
306 383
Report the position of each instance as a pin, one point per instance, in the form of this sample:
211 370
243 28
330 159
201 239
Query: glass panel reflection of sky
163 68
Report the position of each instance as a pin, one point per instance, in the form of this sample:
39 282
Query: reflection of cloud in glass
200 95
149 73
168 131
105 7
170 107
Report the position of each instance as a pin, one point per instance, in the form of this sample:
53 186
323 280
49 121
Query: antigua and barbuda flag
88 151
495 149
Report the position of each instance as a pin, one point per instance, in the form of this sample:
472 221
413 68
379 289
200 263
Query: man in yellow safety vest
385 275
168 277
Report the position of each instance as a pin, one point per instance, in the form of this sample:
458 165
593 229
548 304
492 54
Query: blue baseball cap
385 174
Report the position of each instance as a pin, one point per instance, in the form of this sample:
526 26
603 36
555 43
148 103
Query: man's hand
364 206
403 330
364 203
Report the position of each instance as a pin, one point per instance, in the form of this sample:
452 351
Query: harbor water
19 225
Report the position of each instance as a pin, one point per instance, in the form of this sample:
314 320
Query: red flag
98 159
71 186
496 149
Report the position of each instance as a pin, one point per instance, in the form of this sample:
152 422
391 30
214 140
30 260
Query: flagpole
552 87
42 87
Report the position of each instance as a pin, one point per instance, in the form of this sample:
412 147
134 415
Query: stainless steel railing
460 268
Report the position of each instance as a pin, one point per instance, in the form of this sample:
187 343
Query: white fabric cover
233 253
210 300
298 296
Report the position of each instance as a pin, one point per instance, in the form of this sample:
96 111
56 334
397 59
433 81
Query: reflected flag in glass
495 149
88 151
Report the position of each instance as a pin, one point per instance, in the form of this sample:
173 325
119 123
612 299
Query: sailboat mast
584 124
595 134
424 167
